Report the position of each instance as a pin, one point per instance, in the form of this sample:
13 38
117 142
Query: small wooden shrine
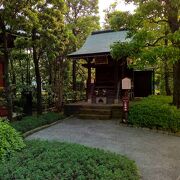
106 86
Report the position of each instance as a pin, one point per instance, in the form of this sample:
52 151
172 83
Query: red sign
125 104
1 75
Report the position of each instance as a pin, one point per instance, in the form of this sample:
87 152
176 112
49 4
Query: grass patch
155 112
55 160
31 122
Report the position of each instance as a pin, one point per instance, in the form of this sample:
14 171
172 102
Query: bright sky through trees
104 4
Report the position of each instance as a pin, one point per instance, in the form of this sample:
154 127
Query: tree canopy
155 33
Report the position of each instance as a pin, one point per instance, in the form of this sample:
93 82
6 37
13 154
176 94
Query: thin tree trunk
74 65
166 79
50 83
13 77
176 77
166 70
22 73
6 70
28 79
37 73
174 25
59 85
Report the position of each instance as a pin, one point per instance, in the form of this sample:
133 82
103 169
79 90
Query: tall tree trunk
28 74
59 85
173 21
13 77
22 73
74 65
166 70
176 77
166 79
6 70
50 84
37 73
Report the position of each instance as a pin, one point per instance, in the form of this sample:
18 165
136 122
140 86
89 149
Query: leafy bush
55 160
10 140
31 122
155 112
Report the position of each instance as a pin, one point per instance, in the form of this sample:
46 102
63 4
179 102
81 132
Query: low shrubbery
55 160
31 122
10 140
155 112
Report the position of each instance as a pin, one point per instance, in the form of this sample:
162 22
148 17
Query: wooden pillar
74 74
116 82
89 82
153 82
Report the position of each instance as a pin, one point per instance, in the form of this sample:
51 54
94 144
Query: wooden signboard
1 75
101 60
126 83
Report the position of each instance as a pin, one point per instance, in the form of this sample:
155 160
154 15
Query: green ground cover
55 160
10 140
155 112
31 122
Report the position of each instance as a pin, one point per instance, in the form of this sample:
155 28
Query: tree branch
158 21
155 42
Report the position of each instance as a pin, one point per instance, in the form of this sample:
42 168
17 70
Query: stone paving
157 155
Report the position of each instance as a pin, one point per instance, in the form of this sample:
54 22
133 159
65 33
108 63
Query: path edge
28 133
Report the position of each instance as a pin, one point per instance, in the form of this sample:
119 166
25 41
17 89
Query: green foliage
152 34
31 122
55 160
10 140
82 18
155 112
155 31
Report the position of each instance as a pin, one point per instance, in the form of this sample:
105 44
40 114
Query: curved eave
82 56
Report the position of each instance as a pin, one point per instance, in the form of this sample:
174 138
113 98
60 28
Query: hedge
54 160
10 140
155 112
31 122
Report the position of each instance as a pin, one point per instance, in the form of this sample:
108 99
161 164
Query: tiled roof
99 42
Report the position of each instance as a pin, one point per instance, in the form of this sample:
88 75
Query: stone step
94 116
98 106
95 111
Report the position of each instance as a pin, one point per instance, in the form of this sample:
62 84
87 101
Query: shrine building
106 87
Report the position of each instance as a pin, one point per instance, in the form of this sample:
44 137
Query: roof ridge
107 31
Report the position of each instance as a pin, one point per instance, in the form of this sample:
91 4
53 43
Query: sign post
126 85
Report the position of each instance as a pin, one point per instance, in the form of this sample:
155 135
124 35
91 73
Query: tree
45 26
8 19
81 19
149 38
40 36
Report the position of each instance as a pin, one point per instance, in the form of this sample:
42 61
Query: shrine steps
94 111
94 116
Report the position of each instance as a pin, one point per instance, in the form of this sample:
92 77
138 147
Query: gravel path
157 155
